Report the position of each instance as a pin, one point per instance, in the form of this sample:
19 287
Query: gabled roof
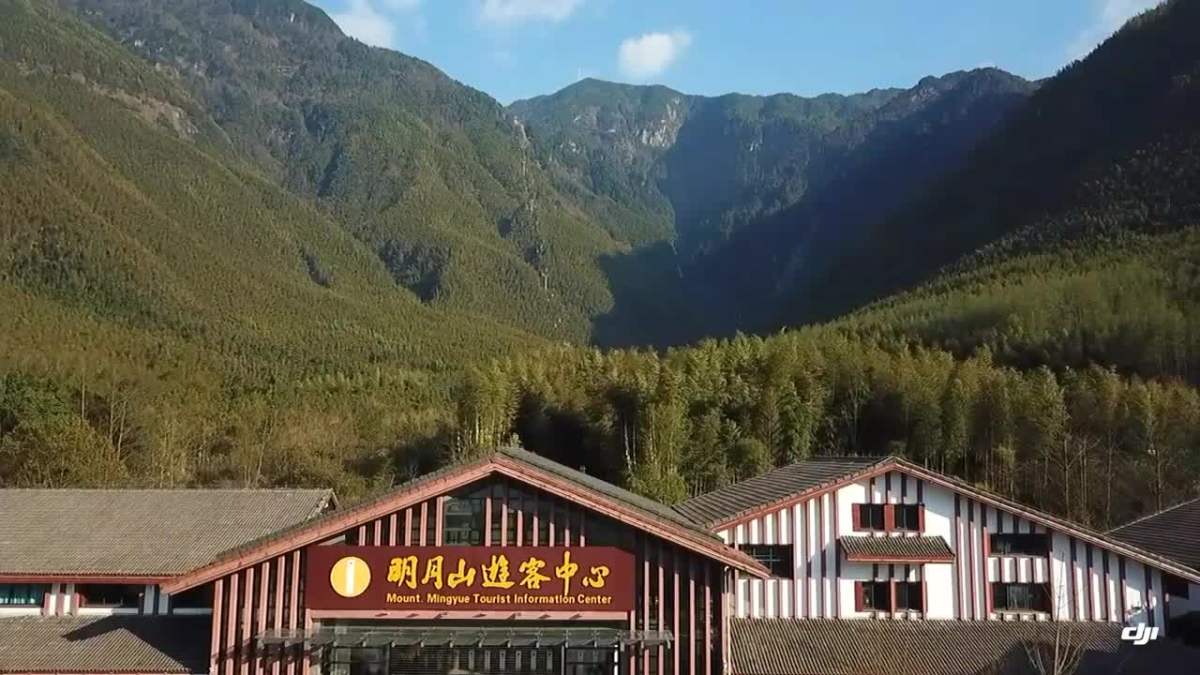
104 644
138 533
724 504
1163 533
770 498
544 474
836 646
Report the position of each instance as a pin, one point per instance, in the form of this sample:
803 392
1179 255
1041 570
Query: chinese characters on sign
470 578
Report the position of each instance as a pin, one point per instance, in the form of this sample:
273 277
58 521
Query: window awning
425 636
895 549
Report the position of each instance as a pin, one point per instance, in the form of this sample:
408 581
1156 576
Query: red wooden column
692 638
231 623
536 515
408 518
215 649
392 540
245 640
645 601
261 626
277 661
487 519
675 646
521 523
708 618
662 606
504 517
437 524
294 608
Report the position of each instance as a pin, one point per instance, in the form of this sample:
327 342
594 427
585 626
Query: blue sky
519 48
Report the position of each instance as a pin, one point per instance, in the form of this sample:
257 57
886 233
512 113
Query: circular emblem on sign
350 577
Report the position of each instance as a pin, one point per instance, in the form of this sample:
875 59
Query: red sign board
533 578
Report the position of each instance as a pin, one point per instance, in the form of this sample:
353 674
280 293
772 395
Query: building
511 563
1172 533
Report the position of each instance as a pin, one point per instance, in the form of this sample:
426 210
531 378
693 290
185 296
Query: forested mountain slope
1109 145
158 292
737 183
432 176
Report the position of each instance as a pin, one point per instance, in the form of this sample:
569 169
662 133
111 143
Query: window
22 595
463 521
1174 586
873 595
1020 544
909 596
908 517
870 517
110 595
1021 597
886 517
775 557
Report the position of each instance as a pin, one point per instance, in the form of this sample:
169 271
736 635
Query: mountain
1106 148
745 190
165 298
698 167
432 176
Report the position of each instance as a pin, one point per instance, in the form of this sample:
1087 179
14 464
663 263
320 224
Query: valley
241 248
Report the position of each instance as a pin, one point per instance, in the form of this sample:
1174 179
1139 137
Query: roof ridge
1154 515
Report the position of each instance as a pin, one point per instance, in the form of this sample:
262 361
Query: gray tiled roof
1160 533
895 548
649 507
631 499
139 532
732 500
844 647
108 644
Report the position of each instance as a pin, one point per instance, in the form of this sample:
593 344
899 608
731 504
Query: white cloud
650 54
1111 15
363 21
373 21
508 12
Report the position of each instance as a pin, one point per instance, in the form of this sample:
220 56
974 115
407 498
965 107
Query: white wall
957 590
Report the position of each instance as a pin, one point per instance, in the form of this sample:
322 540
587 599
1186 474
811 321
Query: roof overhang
83 578
498 464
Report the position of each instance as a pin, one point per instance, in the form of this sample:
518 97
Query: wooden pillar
424 522
536 515
214 666
277 661
408 518
246 640
487 519
294 607
504 517
521 523
675 646
231 623
708 618
662 606
645 601
264 578
692 639
378 539
437 524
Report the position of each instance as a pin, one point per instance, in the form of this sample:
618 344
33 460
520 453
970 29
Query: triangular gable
510 464
888 464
